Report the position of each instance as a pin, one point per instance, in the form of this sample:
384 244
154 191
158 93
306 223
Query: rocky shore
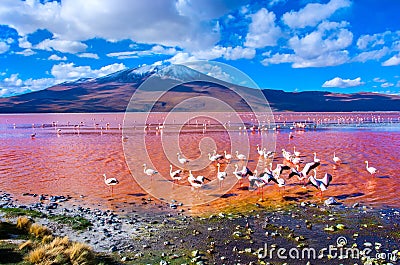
252 233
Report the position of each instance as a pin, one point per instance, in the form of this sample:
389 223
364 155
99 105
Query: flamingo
336 159
111 182
182 160
175 175
33 135
227 156
260 151
240 156
148 171
196 182
315 158
296 153
221 175
371 170
239 174
302 175
291 136
321 184
215 157
269 154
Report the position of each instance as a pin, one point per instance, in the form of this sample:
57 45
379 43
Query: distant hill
112 93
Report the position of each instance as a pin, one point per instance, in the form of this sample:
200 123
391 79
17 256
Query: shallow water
73 161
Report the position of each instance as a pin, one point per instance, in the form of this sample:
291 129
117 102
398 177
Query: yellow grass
39 230
61 251
26 244
24 223
47 239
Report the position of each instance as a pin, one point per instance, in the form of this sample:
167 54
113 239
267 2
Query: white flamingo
260 151
221 175
321 184
336 159
182 160
371 170
296 153
111 182
317 160
148 171
240 156
227 156
196 182
175 175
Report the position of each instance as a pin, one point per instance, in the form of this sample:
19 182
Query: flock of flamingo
291 163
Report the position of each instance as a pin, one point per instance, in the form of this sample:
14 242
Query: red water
73 161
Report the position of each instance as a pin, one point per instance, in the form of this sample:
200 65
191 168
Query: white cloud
398 84
379 80
155 50
4 47
13 85
26 52
68 71
370 41
24 43
55 57
262 30
343 83
183 23
88 55
61 46
329 37
313 13
228 53
394 60
371 55
387 84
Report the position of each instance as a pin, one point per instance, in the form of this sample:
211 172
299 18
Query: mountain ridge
112 93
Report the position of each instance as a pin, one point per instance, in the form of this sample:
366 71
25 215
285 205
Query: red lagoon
67 154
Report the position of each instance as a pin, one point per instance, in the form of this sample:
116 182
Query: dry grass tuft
39 231
47 239
80 253
26 245
61 251
24 223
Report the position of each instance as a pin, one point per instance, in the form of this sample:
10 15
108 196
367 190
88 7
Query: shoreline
226 236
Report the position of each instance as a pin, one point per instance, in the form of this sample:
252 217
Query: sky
341 46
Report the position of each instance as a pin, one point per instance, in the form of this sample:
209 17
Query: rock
163 262
341 226
331 201
367 244
113 249
356 205
195 253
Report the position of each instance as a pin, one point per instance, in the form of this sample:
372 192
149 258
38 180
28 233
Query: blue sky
343 46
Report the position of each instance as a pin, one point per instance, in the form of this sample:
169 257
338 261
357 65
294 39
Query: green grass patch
76 223
14 212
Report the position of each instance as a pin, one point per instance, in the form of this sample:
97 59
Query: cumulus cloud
65 46
313 13
68 71
262 30
394 60
88 55
24 43
228 53
26 52
379 80
55 57
325 46
14 85
155 50
387 84
371 55
4 47
182 23
343 83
